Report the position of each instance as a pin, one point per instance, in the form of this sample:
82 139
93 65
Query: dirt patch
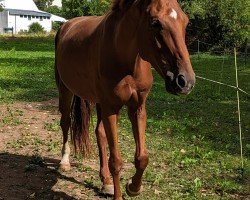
30 146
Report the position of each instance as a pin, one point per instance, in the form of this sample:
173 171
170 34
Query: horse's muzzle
181 85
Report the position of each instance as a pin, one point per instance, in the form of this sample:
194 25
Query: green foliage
76 8
56 25
1 7
54 10
36 28
221 23
43 4
98 7
235 16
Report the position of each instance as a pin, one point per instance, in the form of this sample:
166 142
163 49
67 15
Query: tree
76 8
221 23
98 7
1 7
54 10
43 4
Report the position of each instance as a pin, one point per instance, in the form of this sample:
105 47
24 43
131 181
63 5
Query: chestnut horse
107 61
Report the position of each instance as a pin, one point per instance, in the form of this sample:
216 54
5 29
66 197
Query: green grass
193 141
26 69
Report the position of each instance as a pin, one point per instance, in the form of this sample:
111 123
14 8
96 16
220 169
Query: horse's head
162 43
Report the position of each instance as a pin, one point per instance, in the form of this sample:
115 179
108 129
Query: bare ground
30 142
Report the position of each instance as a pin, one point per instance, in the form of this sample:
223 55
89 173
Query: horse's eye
156 25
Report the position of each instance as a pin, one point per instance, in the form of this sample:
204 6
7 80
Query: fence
203 45
223 57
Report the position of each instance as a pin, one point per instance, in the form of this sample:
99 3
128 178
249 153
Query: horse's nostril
181 81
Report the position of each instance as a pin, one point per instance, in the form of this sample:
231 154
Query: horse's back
77 55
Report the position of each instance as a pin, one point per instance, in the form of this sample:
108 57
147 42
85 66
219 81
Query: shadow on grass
42 44
22 180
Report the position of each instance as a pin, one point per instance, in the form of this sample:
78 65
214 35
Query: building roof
56 18
28 12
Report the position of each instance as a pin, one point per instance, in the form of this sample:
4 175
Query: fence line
237 88
231 86
198 50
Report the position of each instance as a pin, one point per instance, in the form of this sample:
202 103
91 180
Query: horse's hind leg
65 98
107 187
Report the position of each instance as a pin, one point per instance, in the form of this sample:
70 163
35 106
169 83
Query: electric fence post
239 114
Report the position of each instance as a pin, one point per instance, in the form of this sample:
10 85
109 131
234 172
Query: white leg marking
65 154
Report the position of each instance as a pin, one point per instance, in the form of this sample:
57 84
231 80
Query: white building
20 14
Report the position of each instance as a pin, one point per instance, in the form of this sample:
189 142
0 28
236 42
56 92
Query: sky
57 3
20 4
25 4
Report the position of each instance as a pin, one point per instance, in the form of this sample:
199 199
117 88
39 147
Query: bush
36 28
56 26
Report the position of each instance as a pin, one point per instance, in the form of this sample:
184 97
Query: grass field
193 141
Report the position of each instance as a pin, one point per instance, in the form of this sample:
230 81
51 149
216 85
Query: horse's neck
125 39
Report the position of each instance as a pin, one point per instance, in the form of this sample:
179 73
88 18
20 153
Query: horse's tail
80 120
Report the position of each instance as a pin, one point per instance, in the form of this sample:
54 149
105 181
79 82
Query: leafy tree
98 7
43 4
54 10
36 28
76 8
235 16
1 7
221 23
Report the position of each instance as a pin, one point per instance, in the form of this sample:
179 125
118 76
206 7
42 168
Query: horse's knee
141 162
115 165
101 135
100 131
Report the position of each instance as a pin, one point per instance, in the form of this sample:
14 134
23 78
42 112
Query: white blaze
173 14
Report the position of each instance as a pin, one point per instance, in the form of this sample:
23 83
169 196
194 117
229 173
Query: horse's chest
126 90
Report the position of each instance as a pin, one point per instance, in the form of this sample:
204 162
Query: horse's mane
121 4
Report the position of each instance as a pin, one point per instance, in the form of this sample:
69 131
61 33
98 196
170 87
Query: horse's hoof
64 167
130 192
107 189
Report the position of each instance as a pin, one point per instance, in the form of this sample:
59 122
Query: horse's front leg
138 117
110 119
